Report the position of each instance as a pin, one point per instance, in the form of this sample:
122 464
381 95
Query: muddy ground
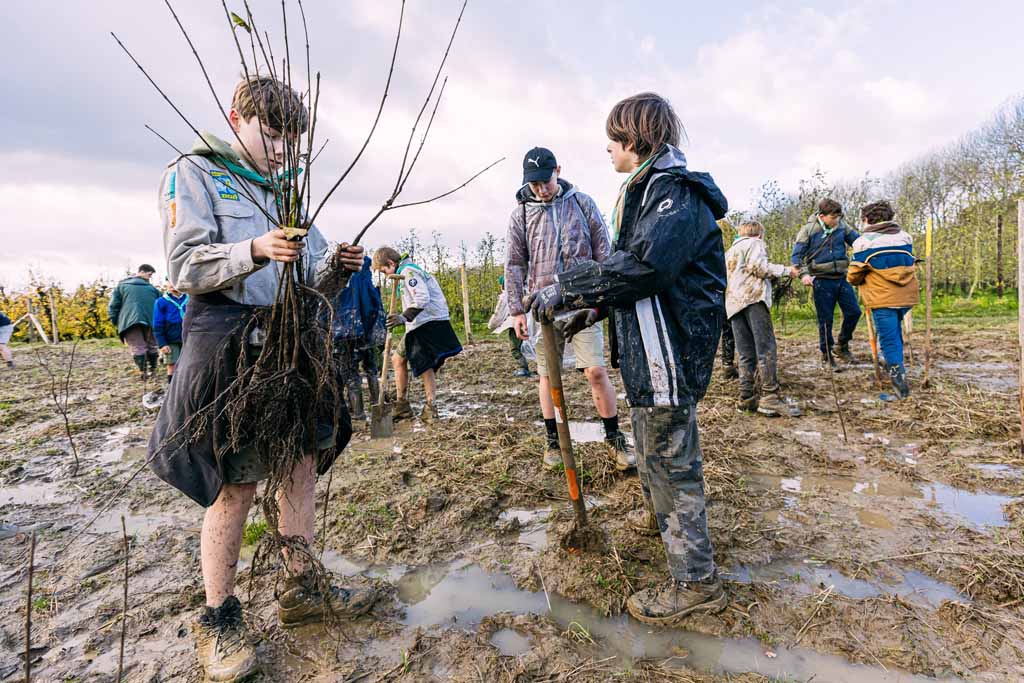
897 555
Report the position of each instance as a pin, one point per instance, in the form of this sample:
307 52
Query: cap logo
535 162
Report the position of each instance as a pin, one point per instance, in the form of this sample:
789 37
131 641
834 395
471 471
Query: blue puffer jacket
168 312
358 311
664 282
821 255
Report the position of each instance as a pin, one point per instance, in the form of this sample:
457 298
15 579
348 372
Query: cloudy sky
766 91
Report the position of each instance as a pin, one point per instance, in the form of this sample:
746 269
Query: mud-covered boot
672 601
625 457
402 409
140 363
843 352
898 377
355 403
224 644
827 360
523 370
729 371
429 413
301 603
748 403
643 522
772 405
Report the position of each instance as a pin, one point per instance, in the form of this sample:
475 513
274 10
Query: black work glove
407 316
580 320
543 303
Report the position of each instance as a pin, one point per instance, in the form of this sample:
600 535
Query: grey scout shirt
209 224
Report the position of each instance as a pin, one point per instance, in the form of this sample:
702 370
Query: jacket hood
885 228
525 195
897 276
672 160
135 280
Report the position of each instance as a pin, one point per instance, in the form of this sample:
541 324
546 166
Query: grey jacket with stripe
664 284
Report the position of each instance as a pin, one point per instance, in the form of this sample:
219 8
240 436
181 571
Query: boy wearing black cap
553 228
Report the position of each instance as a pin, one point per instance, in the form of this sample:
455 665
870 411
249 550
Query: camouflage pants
671 471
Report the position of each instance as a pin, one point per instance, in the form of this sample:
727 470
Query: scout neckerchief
179 306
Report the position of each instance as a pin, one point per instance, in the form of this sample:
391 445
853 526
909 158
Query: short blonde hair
750 229
384 255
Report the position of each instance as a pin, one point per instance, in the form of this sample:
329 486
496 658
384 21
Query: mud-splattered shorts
669 461
587 346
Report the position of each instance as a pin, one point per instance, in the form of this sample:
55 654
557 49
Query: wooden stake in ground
1020 312
28 610
124 605
465 303
554 363
927 303
53 317
908 331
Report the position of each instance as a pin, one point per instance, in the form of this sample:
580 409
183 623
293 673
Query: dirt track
896 556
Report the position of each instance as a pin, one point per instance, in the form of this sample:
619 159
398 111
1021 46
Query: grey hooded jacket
556 236
209 222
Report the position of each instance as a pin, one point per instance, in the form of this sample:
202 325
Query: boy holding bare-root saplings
229 256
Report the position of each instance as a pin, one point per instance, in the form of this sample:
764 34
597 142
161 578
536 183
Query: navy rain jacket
358 309
664 282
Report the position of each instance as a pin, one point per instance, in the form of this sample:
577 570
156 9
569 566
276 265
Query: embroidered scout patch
225 187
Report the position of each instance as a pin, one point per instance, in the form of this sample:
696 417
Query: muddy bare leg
221 540
296 504
401 376
429 385
544 393
602 390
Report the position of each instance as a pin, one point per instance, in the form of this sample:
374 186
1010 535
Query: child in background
429 339
748 304
884 270
168 314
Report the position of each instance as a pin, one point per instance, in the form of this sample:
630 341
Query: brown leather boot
224 643
672 601
301 603
643 522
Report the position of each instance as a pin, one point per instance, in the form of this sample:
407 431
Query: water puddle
533 529
35 493
463 594
999 377
980 509
808 578
511 643
997 470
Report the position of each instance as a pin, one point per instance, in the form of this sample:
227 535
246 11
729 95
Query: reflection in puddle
875 520
808 578
465 594
979 509
36 492
533 531
997 470
510 642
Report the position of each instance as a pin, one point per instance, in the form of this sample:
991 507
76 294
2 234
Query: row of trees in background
968 189
80 313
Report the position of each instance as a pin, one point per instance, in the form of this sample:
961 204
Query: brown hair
877 212
830 207
644 123
383 255
750 229
274 103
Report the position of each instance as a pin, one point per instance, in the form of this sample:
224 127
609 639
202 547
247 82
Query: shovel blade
382 423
